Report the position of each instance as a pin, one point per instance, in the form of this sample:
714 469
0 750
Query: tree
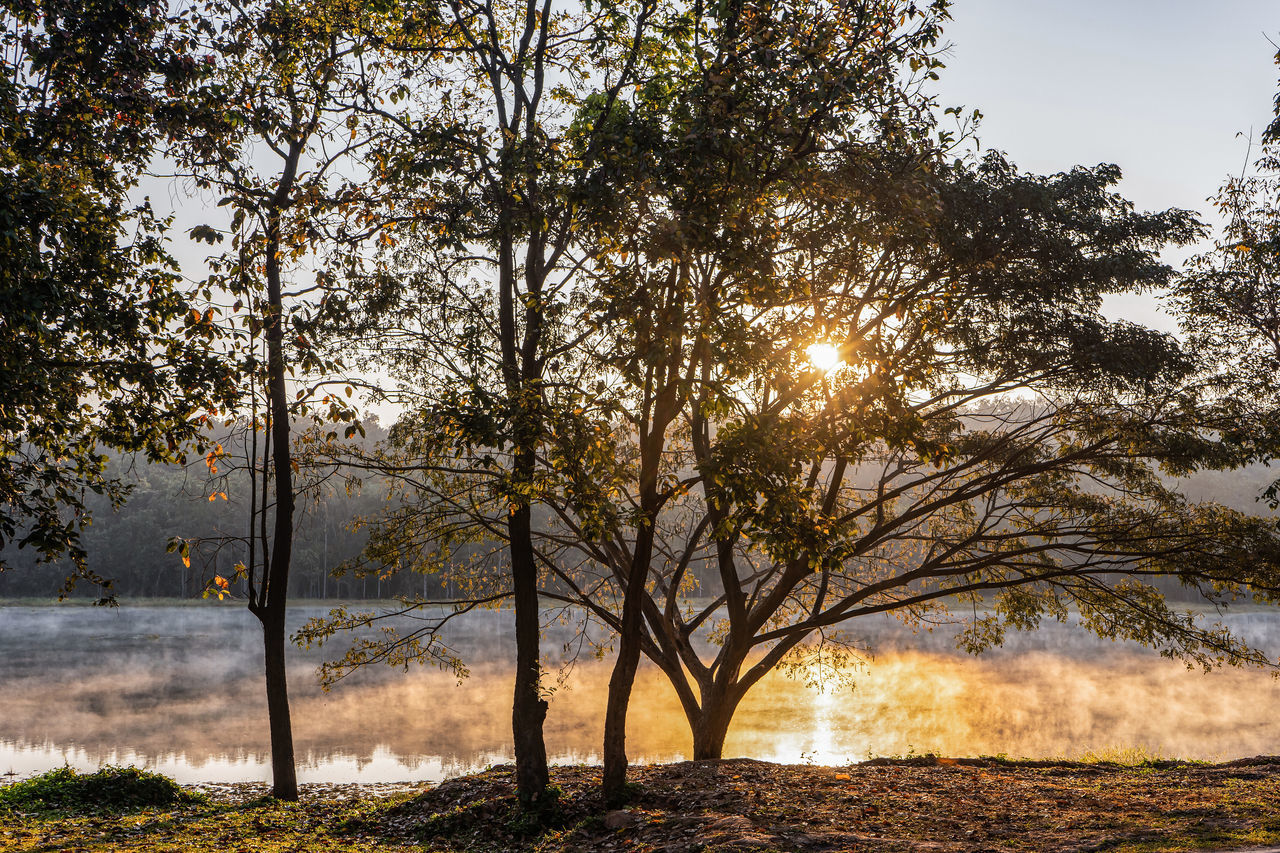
100 345
771 89
907 401
480 268
281 72
468 454
978 435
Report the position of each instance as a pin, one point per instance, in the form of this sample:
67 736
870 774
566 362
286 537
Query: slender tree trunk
275 583
521 376
620 683
284 781
614 776
528 708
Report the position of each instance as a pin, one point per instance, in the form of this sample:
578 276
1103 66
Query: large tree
772 91
99 345
808 367
906 400
485 333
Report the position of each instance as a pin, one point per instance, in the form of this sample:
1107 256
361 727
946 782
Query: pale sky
1167 89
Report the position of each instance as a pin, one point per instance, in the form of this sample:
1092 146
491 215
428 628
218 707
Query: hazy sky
1161 87
1167 89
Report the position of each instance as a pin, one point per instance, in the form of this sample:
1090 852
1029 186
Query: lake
178 689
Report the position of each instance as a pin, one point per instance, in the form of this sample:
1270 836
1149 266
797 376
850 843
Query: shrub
109 789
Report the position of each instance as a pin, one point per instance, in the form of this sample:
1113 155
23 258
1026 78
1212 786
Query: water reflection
178 689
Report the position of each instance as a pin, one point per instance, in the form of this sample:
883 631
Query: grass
1124 756
128 809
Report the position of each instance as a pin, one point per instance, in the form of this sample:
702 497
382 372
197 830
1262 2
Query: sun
824 357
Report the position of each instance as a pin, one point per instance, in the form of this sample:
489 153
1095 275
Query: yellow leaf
186 561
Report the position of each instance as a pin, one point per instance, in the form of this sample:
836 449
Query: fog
179 689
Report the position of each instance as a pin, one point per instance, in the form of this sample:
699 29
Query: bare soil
915 804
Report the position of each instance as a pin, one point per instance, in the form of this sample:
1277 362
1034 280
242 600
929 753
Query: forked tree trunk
711 724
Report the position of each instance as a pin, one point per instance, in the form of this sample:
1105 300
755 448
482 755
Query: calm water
178 689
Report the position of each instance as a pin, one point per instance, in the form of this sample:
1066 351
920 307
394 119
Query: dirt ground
919 804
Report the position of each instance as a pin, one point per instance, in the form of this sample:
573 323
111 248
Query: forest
708 323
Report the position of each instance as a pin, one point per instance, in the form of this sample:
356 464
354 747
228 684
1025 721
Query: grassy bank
920 803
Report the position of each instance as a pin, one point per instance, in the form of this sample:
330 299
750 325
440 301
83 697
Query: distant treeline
129 546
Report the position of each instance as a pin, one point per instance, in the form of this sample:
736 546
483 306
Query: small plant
110 789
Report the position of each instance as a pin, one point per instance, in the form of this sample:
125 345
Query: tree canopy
988 446
101 345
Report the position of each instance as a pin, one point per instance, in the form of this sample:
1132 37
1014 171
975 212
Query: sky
1167 89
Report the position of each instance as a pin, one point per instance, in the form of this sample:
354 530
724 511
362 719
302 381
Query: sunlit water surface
179 689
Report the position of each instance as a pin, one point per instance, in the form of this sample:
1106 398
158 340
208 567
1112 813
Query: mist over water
179 689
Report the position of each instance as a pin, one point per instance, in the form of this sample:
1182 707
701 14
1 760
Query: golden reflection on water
1034 704
201 716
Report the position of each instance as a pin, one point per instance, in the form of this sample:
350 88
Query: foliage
101 346
1228 296
1228 302
988 439
279 208
111 789
770 182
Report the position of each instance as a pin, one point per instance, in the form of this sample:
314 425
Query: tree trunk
275 583
614 776
711 725
528 708
284 781
623 677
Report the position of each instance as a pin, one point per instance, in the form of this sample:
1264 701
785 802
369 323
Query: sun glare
825 357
